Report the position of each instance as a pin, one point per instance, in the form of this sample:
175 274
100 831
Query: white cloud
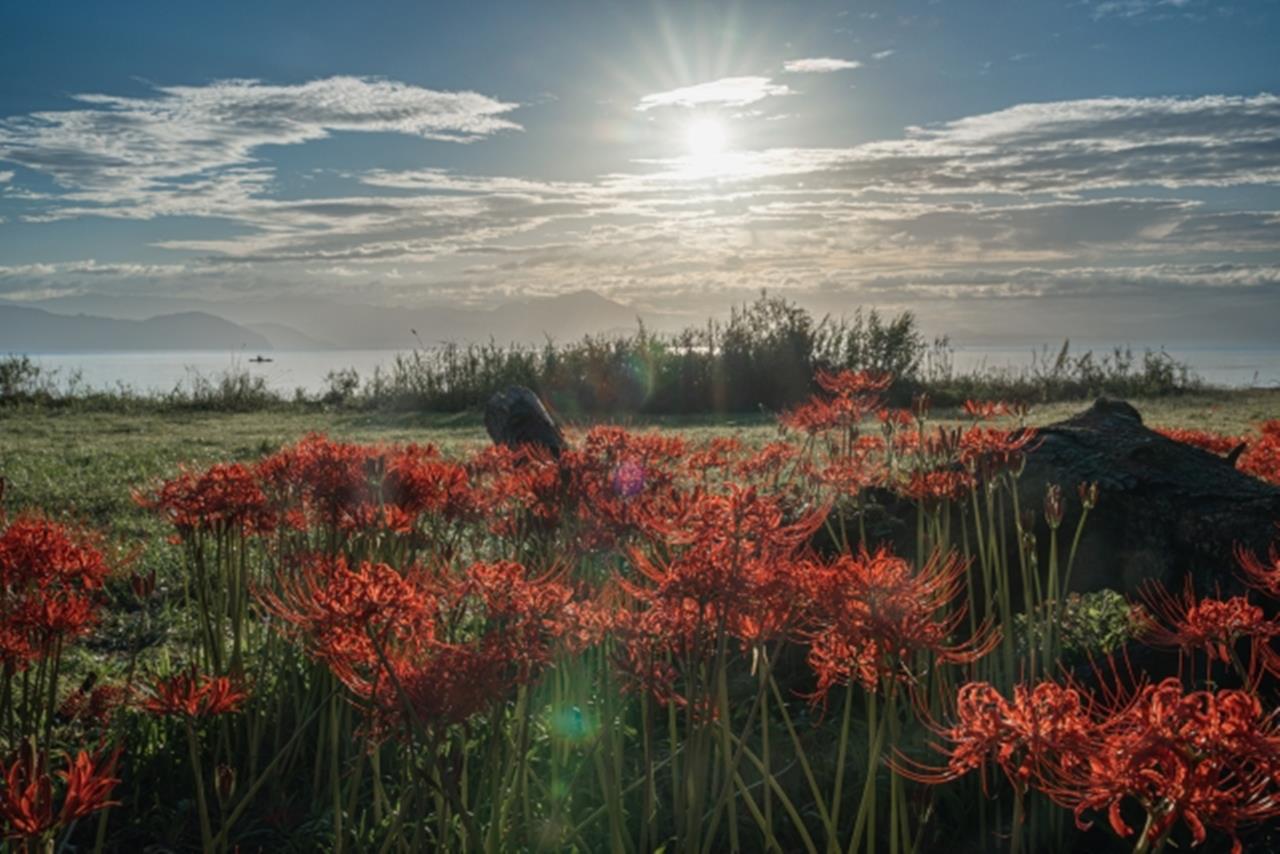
883 54
725 92
1136 8
1037 199
819 65
6 177
127 145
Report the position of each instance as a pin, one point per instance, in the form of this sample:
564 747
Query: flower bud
1053 505
1088 494
143 585
224 782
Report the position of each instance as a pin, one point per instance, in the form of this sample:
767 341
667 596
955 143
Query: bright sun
706 138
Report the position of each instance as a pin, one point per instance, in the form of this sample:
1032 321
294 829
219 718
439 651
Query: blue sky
1031 161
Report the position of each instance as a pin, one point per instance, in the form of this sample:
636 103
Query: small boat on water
258 360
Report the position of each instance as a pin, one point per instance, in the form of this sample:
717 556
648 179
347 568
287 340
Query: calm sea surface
163 371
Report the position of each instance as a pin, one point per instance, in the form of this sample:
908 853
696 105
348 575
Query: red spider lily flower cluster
27 801
850 397
418 481
224 497
989 450
192 695
1045 724
1212 626
596 494
1261 456
1263 575
1214 443
937 486
720 453
519 490
318 482
1203 758
326 481
848 475
49 578
343 486
873 612
768 462
95 705
331 607
620 479
425 648
728 568
1206 759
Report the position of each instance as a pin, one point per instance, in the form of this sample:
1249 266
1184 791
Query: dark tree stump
515 417
1165 508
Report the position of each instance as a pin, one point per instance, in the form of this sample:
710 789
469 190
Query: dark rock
515 417
1165 509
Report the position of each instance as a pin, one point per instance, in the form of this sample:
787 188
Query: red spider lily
1207 759
850 474
95 705
191 695
853 383
820 415
895 419
498 629
873 612
430 649
1259 574
1262 458
49 578
720 453
1214 443
768 461
334 608
1213 626
935 486
729 569
985 410
27 799
988 451
852 396
618 479
723 540
518 490
37 551
225 497
418 481
1044 726
331 479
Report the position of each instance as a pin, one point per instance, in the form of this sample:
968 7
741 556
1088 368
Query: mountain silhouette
303 323
32 330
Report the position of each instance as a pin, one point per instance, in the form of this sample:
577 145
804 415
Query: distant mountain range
33 330
87 323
